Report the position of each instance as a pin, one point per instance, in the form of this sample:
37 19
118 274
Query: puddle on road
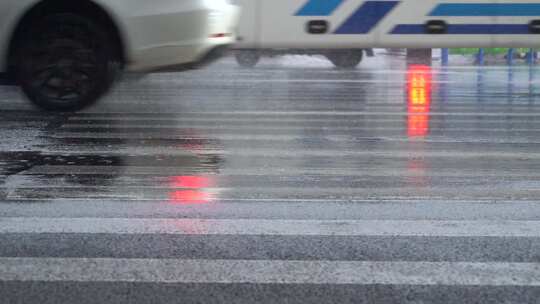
33 175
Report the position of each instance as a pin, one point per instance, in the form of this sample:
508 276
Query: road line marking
333 153
128 120
119 115
268 272
344 81
482 228
374 172
179 128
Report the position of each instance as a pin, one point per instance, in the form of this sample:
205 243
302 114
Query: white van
342 29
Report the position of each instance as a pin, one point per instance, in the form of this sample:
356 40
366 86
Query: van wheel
65 62
247 59
345 59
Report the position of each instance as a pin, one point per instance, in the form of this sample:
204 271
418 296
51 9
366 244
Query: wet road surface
289 183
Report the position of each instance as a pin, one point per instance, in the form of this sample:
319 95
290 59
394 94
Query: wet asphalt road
290 183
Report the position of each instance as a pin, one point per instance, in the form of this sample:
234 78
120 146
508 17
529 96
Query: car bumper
185 37
211 56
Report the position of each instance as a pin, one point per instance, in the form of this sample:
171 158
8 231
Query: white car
65 54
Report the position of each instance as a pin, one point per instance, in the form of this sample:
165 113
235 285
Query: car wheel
65 62
247 59
345 59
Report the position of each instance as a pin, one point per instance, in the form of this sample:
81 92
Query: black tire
247 59
65 62
345 59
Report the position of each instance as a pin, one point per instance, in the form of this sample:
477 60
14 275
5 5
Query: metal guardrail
531 57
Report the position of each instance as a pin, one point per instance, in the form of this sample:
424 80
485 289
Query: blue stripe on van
366 17
319 7
466 29
486 9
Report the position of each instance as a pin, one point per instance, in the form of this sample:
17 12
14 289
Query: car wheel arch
85 8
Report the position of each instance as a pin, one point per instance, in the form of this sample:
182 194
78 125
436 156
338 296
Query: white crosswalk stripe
479 228
269 272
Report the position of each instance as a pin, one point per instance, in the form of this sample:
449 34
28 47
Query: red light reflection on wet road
419 82
191 182
189 197
190 190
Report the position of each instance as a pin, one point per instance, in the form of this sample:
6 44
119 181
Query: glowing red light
189 197
419 84
190 189
418 125
191 182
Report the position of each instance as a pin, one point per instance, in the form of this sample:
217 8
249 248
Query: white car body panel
277 24
155 33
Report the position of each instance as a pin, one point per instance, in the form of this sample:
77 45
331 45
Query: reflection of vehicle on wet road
66 54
